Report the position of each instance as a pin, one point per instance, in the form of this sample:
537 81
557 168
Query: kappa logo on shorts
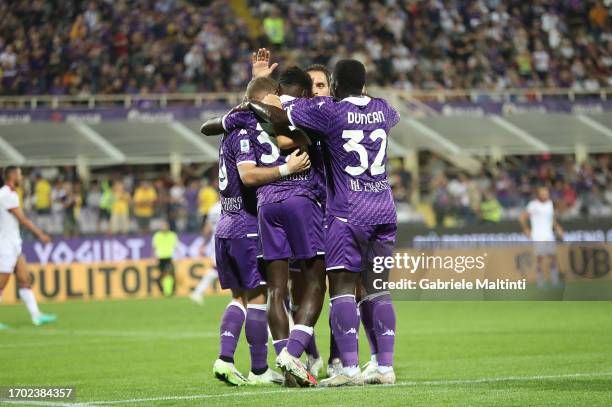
244 146
389 332
227 333
351 331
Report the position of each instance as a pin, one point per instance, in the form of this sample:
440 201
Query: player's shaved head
11 174
258 88
9 171
295 82
542 193
348 78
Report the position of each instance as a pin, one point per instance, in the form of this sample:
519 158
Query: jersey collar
357 100
286 98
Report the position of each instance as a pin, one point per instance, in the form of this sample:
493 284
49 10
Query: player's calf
256 330
277 293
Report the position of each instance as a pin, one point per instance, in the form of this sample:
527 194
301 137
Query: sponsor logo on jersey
244 146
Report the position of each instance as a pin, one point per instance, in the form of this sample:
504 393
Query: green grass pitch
160 352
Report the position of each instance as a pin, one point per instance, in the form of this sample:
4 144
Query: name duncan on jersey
365 118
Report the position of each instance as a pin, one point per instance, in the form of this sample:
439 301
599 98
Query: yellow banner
99 281
140 278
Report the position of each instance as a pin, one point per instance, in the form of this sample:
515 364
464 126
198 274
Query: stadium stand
127 83
173 46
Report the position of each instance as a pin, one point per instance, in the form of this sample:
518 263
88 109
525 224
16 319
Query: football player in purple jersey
298 237
290 226
237 249
353 129
320 76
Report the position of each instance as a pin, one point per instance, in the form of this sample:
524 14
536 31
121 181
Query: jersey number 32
353 144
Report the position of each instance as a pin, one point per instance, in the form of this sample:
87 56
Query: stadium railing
200 99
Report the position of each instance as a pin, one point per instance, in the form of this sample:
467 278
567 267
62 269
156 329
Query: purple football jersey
354 135
315 152
265 153
238 202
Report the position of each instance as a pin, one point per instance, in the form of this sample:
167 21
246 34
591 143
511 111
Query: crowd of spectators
453 44
503 189
161 46
118 204
120 46
113 204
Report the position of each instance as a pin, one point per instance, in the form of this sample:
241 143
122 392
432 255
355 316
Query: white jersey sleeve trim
223 121
245 161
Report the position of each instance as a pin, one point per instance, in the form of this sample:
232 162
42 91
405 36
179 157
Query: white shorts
9 252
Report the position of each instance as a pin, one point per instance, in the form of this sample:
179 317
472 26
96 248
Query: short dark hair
295 76
350 75
260 85
319 68
8 170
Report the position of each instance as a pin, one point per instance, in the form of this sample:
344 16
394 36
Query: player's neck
10 184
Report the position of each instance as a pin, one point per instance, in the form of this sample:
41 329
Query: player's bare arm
558 229
253 176
524 220
298 140
271 114
214 126
26 223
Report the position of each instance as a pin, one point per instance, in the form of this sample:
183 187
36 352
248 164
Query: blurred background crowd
164 46
503 189
117 202
134 200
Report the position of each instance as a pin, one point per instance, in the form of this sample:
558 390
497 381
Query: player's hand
298 161
43 238
260 61
272 100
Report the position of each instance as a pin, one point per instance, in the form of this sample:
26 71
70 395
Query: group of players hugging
305 200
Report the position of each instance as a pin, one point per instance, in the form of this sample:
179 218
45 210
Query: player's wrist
284 170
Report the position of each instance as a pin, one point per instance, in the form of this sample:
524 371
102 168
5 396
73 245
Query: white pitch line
88 341
120 334
400 384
